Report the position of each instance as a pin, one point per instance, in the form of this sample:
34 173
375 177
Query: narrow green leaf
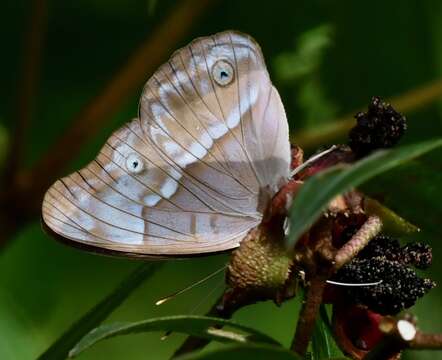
199 326
323 344
61 347
321 348
320 189
242 352
392 223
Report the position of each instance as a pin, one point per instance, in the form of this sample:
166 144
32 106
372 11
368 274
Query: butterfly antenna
311 160
170 297
204 299
353 284
194 308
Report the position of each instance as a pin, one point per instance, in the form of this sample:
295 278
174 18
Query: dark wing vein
217 100
183 168
184 128
129 213
108 223
162 153
142 204
135 178
187 104
205 103
252 166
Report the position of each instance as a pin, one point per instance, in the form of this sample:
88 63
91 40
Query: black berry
400 287
380 127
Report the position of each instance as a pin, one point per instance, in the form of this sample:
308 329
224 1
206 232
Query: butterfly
194 172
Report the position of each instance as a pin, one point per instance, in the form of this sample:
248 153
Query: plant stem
401 334
308 314
29 76
427 341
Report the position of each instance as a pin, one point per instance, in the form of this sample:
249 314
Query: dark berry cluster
380 127
384 259
415 254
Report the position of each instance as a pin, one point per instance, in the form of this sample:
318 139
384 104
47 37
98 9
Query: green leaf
300 68
320 341
306 58
323 344
61 347
242 352
321 188
392 223
199 326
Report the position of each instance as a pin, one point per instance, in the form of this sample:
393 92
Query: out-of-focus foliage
300 69
379 48
3 145
307 56
241 352
62 346
151 6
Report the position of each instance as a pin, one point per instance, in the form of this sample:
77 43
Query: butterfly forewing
189 175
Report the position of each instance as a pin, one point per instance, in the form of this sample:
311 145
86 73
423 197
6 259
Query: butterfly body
194 172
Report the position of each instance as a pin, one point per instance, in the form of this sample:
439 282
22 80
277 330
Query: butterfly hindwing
188 175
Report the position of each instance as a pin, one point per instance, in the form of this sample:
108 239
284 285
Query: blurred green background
327 58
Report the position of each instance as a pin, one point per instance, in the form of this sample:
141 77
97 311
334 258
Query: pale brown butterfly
194 172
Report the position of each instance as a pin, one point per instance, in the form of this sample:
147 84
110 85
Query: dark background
352 50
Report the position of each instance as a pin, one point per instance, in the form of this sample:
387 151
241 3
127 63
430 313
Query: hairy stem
368 231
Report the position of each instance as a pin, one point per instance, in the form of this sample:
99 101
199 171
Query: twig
308 314
401 334
426 341
321 261
409 101
317 259
133 74
29 76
